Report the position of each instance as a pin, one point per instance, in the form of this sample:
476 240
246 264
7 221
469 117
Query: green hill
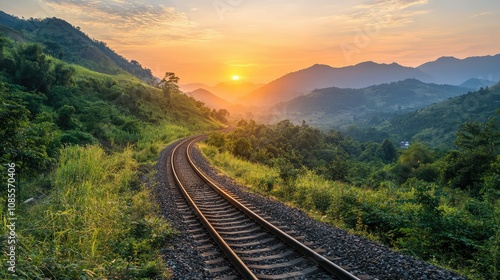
80 106
78 145
336 107
63 41
438 123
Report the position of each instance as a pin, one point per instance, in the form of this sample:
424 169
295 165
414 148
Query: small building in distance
404 144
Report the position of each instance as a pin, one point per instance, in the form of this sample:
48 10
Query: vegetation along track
256 248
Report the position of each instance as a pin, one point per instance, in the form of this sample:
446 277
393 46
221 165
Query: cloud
483 14
392 4
388 13
130 21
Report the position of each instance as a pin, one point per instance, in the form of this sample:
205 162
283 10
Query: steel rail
245 272
292 242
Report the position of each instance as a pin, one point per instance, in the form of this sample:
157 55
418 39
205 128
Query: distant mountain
234 89
336 107
61 40
437 124
191 87
476 84
210 99
229 91
454 71
8 20
321 76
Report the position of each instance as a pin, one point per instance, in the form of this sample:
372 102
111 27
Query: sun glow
235 77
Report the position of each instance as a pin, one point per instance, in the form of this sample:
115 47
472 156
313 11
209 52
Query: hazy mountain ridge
336 107
322 76
454 71
211 100
229 91
446 70
476 84
64 41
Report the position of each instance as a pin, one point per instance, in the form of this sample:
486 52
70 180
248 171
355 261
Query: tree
477 136
22 141
66 118
169 85
3 42
467 168
220 115
416 155
412 159
63 74
390 153
33 68
286 170
338 168
243 148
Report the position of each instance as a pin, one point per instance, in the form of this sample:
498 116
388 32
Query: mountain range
471 73
211 100
322 76
339 107
229 91
320 93
454 71
446 70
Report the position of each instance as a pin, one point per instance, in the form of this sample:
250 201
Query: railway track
247 245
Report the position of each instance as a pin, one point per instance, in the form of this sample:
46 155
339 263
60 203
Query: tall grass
324 199
399 216
92 225
154 138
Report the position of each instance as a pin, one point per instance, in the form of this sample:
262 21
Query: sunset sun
235 77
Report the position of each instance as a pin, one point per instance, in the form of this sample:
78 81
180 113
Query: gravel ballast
359 255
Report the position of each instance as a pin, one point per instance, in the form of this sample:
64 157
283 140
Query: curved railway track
248 246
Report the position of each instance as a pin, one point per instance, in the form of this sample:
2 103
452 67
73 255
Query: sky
211 41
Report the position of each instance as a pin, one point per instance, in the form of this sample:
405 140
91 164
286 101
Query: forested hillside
79 145
63 41
434 125
442 206
437 124
337 108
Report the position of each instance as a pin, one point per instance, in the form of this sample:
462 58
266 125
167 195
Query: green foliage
91 225
476 136
389 151
441 206
33 68
437 125
63 41
66 119
169 85
220 115
469 167
92 219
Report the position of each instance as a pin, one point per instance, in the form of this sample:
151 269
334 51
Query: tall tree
478 147
33 68
169 84
390 153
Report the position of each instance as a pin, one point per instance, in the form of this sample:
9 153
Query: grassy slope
392 210
93 217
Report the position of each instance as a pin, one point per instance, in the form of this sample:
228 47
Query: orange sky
209 41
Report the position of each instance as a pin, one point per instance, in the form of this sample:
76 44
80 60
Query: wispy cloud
389 13
366 22
483 14
131 21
